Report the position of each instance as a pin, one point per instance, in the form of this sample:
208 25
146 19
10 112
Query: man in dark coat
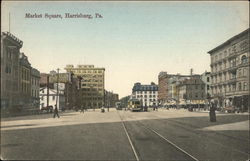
212 112
56 112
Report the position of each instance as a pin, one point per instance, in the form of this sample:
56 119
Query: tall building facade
10 49
147 94
111 98
206 78
91 84
230 72
191 91
167 86
16 76
163 87
35 87
25 81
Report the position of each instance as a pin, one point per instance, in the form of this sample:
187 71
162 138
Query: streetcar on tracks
135 105
118 105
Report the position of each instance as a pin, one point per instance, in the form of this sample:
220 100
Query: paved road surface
123 135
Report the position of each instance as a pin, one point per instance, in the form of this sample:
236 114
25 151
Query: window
225 53
207 87
53 98
239 72
245 86
239 86
207 79
243 59
220 56
243 46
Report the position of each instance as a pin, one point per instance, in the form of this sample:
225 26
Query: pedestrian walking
56 112
82 109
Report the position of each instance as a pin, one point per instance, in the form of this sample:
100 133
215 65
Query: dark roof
140 87
230 40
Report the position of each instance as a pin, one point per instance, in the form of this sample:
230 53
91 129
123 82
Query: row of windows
141 92
25 74
146 100
230 75
91 89
92 80
92 85
231 63
35 93
35 82
233 49
241 86
145 96
195 86
194 95
25 87
87 71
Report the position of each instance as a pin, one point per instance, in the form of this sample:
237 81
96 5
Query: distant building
62 77
110 99
52 98
163 87
91 84
124 101
147 94
10 49
35 87
72 93
206 78
25 81
43 79
230 72
167 86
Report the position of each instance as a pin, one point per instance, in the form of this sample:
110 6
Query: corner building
10 49
92 84
230 72
147 94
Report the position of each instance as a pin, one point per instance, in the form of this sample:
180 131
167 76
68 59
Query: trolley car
134 105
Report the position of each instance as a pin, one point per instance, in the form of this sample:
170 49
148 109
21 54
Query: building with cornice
230 72
10 49
91 84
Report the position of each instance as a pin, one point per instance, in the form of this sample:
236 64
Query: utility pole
79 90
57 90
9 22
47 90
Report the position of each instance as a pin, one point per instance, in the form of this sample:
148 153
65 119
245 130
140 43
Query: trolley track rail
157 134
185 126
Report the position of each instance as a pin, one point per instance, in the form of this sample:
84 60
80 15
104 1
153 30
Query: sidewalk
239 126
66 118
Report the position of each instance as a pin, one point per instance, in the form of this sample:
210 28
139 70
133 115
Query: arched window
243 59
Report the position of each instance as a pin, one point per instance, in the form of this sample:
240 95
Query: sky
133 41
